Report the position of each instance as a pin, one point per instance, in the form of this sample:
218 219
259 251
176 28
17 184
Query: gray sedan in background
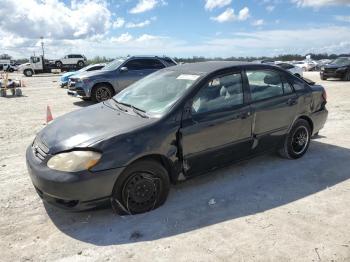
103 84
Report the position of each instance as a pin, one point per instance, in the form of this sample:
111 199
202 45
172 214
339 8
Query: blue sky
175 27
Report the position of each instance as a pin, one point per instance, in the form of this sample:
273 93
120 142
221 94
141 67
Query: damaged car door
216 127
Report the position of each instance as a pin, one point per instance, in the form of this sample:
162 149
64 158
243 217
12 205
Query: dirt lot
266 209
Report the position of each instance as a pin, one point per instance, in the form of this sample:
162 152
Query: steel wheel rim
103 93
141 192
300 140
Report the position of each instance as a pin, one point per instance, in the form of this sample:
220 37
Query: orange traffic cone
49 117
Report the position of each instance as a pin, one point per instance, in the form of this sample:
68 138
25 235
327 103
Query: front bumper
75 191
77 93
332 74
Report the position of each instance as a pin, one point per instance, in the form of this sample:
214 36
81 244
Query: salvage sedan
172 125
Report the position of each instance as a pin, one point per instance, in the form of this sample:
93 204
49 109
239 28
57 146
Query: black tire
81 64
11 70
347 76
58 64
101 92
28 72
297 141
142 187
323 78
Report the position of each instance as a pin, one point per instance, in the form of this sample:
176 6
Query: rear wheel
142 187
80 63
297 141
101 93
58 64
323 78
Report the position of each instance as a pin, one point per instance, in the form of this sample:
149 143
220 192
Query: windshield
343 61
156 93
113 65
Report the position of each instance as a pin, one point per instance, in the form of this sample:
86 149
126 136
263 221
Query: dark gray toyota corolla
172 125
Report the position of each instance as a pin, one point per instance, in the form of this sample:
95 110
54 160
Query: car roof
147 56
212 66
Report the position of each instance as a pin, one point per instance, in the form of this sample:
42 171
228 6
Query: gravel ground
264 209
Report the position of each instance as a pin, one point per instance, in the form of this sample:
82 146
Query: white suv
72 59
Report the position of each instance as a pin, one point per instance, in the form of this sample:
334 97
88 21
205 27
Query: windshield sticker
188 77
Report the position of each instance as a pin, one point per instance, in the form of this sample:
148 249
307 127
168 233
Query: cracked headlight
74 161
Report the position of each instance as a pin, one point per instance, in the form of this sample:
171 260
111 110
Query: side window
154 64
134 65
219 93
264 84
70 56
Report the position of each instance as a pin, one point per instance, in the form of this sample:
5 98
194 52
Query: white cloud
138 25
258 22
243 14
146 5
119 22
212 4
123 38
343 18
270 8
147 38
229 15
320 3
55 19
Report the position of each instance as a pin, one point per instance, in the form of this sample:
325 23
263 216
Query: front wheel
80 64
101 93
142 187
323 78
297 141
28 72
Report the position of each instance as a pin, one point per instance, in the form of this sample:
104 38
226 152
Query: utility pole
42 45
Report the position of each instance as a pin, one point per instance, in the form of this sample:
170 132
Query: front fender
122 150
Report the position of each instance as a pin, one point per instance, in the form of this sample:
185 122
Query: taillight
324 95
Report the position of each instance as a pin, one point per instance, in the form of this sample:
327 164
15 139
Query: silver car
101 85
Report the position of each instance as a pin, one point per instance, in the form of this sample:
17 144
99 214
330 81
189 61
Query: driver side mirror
123 69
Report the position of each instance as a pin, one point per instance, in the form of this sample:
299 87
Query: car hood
68 74
92 74
88 126
331 66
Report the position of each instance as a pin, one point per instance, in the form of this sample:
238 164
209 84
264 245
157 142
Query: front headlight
74 161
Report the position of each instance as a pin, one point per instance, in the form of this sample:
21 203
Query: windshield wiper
118 105
138 111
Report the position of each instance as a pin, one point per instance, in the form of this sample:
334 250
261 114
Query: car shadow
83 103
243 189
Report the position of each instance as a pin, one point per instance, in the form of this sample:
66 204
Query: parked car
72 59
115 76
339 68
174 124
307 65
65 77
295 70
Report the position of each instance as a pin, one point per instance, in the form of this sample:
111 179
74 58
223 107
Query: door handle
244 115
292 101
